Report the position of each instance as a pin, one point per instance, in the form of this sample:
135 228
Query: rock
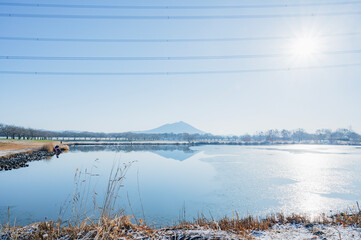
257 233
309 225
319 233
20 160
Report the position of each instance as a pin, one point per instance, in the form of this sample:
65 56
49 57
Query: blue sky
217 103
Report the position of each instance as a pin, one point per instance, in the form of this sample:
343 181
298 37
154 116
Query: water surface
169 182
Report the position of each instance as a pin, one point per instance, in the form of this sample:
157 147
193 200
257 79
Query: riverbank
17 154
11 147
20 160
199 143
341 226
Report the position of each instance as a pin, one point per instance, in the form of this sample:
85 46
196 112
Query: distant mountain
176 154
178 127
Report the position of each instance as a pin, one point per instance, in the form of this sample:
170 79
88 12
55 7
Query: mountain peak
177 127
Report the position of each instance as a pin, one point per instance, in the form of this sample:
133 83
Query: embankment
20 160
17 154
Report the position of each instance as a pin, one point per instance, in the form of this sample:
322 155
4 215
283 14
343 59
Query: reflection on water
212 180
176 152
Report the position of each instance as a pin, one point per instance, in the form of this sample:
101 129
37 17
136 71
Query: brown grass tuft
121 226
47 147
64 147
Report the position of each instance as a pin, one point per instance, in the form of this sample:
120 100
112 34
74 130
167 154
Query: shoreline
343 226
21 159
17 154
198 143
66 143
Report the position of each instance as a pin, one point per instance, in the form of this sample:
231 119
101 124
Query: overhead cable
181 73
173 58
183 7
179 17
135 40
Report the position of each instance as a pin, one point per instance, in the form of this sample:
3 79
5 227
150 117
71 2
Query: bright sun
305 46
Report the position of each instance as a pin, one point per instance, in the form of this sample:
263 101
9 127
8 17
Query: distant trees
271 136
259 137
299 135
4 131
341 134
15 132
323 134
8 131
246 138
286 135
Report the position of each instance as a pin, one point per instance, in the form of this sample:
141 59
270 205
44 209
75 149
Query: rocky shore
20 160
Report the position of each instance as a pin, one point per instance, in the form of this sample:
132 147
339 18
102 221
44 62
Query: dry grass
246 224
64 147
10 147
50 146
47 147
105 228
18 145
348 218
121 226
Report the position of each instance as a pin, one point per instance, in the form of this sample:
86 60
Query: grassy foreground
9 147
121 227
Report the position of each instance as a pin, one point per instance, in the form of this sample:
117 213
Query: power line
179 73
47 5
180 17
178 58
139 58
235 39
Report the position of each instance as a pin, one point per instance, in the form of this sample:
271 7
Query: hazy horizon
205 132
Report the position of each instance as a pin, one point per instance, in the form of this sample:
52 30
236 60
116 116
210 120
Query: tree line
17 132
300 135
270 136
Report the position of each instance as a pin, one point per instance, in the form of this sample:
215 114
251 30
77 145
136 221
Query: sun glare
305 46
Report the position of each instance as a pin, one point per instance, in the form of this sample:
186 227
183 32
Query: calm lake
173 181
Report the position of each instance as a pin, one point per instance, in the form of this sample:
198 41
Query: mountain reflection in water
175 152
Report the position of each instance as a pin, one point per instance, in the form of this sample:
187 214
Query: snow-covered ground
279 232
309 231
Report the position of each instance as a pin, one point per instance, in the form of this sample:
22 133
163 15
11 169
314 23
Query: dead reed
47 147
121 226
